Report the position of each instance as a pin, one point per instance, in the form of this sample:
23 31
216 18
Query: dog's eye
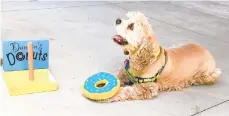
131 26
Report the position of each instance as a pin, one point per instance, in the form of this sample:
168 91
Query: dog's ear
146 54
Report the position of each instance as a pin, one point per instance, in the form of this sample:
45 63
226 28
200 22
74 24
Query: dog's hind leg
206 78
143 91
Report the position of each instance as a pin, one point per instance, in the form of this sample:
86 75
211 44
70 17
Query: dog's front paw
124 94
120 96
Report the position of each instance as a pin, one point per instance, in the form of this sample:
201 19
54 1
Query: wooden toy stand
25 67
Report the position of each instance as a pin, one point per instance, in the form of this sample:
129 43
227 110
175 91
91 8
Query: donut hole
101 84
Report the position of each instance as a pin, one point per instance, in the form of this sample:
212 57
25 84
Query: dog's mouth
119 40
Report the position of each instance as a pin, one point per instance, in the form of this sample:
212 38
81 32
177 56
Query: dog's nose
118 21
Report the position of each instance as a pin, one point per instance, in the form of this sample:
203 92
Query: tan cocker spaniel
151 68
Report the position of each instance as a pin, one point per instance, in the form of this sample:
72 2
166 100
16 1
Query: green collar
142 80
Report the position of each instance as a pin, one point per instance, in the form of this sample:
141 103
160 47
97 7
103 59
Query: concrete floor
82 46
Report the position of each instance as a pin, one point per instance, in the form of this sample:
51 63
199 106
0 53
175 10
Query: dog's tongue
117 38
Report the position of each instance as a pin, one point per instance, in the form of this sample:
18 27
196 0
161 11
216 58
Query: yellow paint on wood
18 82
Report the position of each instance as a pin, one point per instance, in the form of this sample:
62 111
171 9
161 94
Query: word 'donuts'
15 54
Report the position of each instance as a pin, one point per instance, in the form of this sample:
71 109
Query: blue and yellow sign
15 54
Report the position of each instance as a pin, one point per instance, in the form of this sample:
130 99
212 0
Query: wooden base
18 82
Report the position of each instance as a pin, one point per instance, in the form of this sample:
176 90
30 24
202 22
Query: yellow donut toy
101 86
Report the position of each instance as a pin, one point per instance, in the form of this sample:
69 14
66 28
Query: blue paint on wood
15 54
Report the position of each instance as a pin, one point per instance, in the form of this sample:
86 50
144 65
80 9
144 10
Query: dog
151 68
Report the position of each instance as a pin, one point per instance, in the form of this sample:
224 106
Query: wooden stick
30 61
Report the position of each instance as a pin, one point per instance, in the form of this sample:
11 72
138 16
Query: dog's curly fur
186 65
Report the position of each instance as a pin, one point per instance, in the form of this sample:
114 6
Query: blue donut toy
101 86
